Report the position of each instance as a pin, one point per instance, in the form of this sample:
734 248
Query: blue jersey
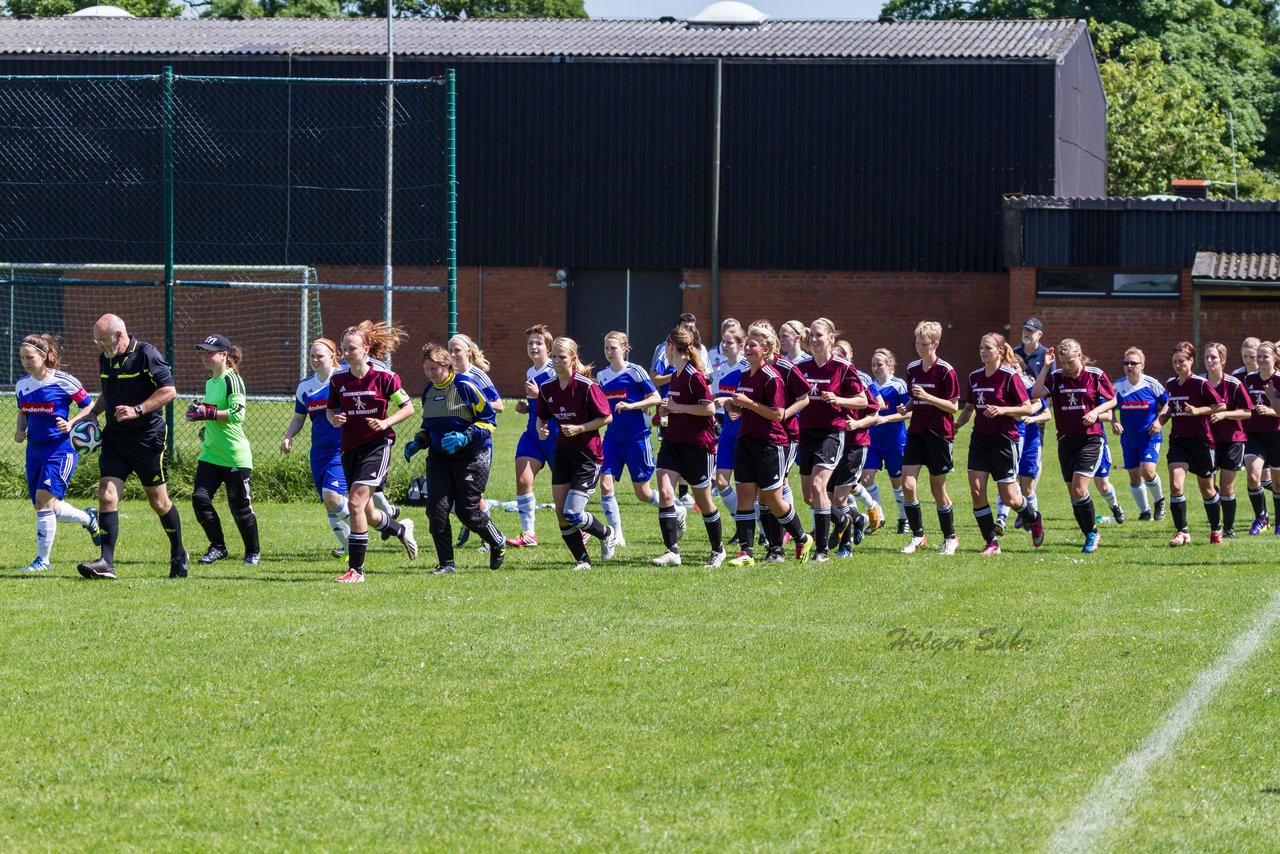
312 399
458 406
539 375
483 383
44 401
631 384
892 436
724 383
1139 404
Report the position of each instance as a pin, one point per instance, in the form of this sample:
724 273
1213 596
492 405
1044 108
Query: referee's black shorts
124 453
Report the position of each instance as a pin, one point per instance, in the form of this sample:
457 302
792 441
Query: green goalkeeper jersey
224 441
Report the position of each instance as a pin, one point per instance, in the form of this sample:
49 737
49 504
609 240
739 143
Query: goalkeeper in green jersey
225 456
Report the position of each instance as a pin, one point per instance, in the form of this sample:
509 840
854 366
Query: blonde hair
831 327
474 354
846 348
888 356
1070 348
1142 357
929 330
46 345
762 331
381 339
572 346
1251 343
686 343
1007 356
330 345
800 331
621 337
735 332
1270 345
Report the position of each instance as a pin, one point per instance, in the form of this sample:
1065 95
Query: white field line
1107 803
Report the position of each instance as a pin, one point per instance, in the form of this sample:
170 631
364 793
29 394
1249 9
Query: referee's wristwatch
137 410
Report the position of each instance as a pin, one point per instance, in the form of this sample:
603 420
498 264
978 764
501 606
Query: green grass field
267 708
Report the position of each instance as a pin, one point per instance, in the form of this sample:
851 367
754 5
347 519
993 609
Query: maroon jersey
764 387
939 381
1003 388
579 402
363 398
794 387
836 376
1196 391
1232 392
1256 387
1074 396
689 388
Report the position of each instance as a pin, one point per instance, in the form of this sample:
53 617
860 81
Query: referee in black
136 385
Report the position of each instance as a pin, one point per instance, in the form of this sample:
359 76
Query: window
1102 283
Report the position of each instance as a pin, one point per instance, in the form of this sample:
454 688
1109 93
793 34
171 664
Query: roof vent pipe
1190 189
729 13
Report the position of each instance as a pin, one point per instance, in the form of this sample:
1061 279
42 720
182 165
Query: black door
645 304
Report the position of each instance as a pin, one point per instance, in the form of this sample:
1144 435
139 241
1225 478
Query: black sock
915 518
1275 500
593 526
791 523
172 524
947 521
715 531
573 539
769 524
389 527
682 490
821 529
109 523
1178 507
1213 509
746 527
1026 514
1258 499
1085 517
986 523
357 545
1228 512
668 523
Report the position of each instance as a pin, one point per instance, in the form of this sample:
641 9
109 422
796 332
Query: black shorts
696 466
1080 455
123 454
1196 455
367 464
929 450
849 469
576 467
761 462
1229 456
1265 445
995 454
820 449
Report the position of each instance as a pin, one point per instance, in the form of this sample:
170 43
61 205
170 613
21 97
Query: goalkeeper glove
411 448
453 441
202 412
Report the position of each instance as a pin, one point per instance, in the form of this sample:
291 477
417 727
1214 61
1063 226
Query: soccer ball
86 437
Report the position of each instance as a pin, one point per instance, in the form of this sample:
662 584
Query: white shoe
619 541
949 546
407 540
682 521
607 545
717 560
667 559
915 543
687 500
582 566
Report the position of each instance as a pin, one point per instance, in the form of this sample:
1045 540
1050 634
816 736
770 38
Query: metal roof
491 37
1231 266
1139 203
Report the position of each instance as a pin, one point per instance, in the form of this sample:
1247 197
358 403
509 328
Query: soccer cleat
582 566
619 541
667 559
1259 525
786 537
902 526
524 541
1091 542
215 553
497 557
716 560
845 552
1228 533
685 500
407 540
178 565
95 532
1215 538
875 515
682 521
743 559
820 557
337 553
253 559
1037 531
1117 513
1017 523
1181 538
859 529
838 532
444 569
351 576
916 543
1159 511
776 556
949 546
1144 516
992 548
608 545
463 536
97 569
37 565
804 549
999 526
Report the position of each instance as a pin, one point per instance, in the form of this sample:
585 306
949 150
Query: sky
776 9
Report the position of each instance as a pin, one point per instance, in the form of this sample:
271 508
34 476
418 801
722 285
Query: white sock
1033 502
730 499
902 503
786 494
653 498
1109 497
612 518
66 513
1139 493
344 509
339 526
526 508
874 491
1155 489
46 527
1002 512
383 504
861 493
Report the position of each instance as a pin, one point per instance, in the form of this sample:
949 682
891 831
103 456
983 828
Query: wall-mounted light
562 279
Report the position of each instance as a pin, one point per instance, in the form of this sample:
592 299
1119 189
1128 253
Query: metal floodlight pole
387 270
451 177
168 239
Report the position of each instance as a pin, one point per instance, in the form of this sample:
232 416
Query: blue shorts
327 475
50 471
635 454
725 446
530 445
1029 453
882 458
1138 447
1104 468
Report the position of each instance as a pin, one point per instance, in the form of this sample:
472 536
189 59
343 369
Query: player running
934 401
360 401
795 393
630 392
532 451
1142 400
45 395
1228 431
469 361
1262 447
1080 393
853 526
997 397
1191 402
225 455
1249 357
889 433
724 383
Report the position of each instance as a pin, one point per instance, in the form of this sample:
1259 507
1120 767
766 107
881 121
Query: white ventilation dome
100 12
730 13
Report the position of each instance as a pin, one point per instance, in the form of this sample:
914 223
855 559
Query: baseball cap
215 343
1033 323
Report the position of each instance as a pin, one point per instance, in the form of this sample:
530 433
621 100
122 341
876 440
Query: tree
54 8
403 8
